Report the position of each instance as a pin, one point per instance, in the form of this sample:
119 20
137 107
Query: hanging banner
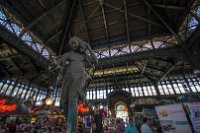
194 114
173 119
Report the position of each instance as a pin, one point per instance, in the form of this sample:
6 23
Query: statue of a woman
74 78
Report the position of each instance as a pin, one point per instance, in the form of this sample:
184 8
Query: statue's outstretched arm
92 54
62 60
59 63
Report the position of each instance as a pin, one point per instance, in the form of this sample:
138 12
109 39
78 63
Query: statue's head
75 43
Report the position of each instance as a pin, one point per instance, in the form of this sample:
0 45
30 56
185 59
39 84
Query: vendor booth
13 114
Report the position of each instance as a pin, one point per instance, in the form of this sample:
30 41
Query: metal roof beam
133 74
20 46
100 43
190 57
149 77
162 60
84 21
28 75
15 62
34 64
149 30
154 68
54 35
10 57
98 14
170 7
168 71
127 26
136 16
144 67
67 25
104 18
192 46
5 71
39 18
170 52
193 39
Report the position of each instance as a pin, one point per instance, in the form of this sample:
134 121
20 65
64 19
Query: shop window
145 91
140 91
105 94
101 94
9 90
4 88
149 90
124 89
15 91
19 92
121 111
160 90
13 83
132 91
94 95
88 95
193 89
136 92
181 88
171 91
127 89
176 88
111 90
28 94
198 88
57 102
23 94
165 89
97 94
153 90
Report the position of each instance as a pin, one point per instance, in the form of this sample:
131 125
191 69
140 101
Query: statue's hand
87 45
54 66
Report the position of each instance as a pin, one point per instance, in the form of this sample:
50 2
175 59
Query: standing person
119 126
105 129
146 127
131 128
80 127
93 128
12 127
159 129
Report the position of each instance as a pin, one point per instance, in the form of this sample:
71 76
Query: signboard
173 119
7 108
84 109
194 114
12 106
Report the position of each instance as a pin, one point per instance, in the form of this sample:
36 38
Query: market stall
47 117
13 113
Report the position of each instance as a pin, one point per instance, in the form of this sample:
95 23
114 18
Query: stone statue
74 77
